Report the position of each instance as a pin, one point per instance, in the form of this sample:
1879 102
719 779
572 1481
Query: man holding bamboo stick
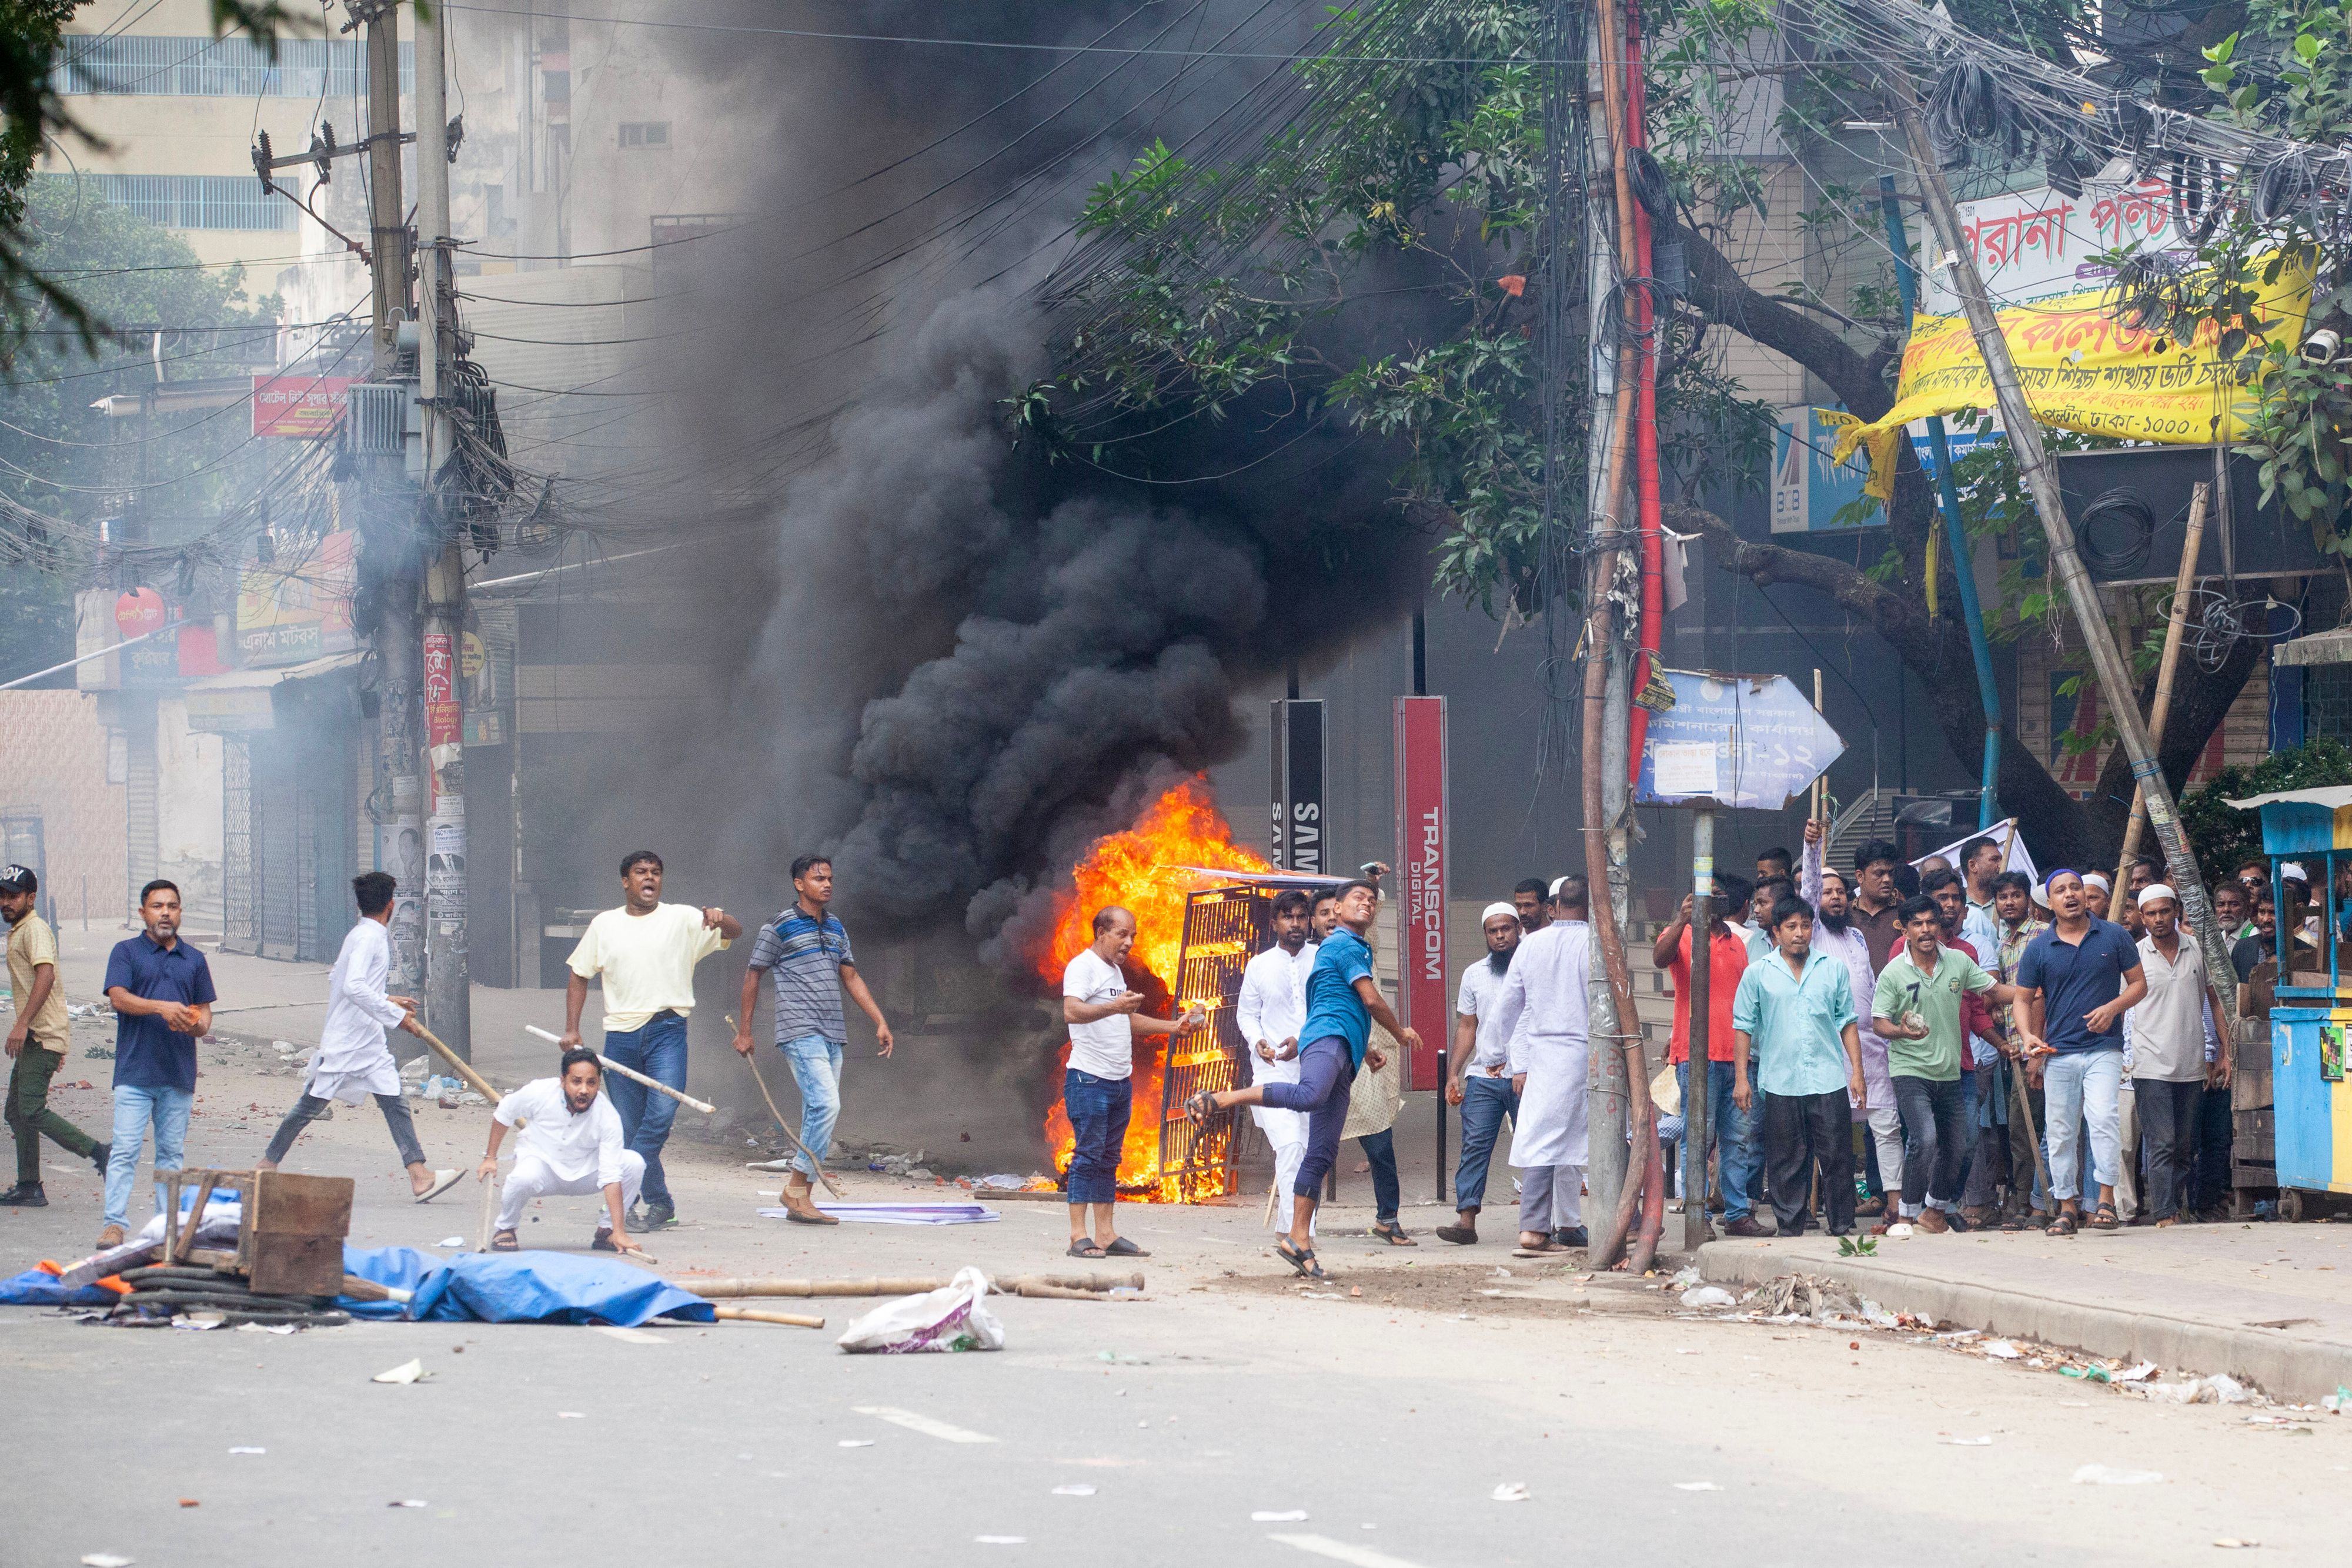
646 951
354 1060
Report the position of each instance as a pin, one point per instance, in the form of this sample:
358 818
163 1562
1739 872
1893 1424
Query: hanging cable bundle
1968 105
2287 186
1652 188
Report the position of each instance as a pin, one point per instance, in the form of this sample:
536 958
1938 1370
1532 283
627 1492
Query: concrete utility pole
398 806
2042 483
448 979
1698 1108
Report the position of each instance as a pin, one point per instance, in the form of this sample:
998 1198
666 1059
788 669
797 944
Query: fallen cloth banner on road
517 1288
899 1213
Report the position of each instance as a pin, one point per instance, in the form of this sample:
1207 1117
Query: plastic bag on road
954 1317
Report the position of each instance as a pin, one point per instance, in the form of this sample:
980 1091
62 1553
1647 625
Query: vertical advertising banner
1298 838
1423 1003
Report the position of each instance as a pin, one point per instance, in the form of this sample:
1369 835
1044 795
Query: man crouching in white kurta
1269 1011
1543 998
354 1060
569 1146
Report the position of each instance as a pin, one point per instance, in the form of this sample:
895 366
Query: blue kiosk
2311 1103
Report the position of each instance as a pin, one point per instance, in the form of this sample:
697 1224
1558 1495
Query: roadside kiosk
2311 1104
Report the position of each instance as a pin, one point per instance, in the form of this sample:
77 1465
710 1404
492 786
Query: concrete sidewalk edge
2299 1371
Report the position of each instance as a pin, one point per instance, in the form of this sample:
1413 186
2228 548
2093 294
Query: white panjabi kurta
353 1060
1272 1007
1543 998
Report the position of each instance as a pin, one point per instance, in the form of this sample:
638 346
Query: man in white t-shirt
1270 1008
1097 1086
570 1146
646 951
1478 1076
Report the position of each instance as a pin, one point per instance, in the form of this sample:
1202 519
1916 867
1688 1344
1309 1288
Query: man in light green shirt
1916 1010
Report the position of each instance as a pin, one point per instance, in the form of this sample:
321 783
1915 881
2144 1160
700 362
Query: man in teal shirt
1795 1012
1343 1002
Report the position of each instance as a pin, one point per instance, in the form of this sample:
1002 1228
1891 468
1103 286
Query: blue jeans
1388 1192
1325 1069
1484 1102
816 1068
1739 1145
2079 1086
135 1108
1098 1109
657 1050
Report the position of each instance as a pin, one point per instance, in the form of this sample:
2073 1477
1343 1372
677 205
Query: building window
644 133
164 67
189 201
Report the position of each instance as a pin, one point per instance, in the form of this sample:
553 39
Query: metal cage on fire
1224 927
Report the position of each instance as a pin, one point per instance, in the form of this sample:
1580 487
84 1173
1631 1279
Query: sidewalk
2267 1303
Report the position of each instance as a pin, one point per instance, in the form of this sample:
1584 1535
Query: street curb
2298 1371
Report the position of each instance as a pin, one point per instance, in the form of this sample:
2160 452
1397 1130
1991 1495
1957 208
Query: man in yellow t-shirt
38 1043
645 950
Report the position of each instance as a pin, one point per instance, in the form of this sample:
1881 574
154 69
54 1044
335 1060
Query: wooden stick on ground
757 1315
1085 1284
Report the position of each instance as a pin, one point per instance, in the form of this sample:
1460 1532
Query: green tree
66 467
2226 838
1408 161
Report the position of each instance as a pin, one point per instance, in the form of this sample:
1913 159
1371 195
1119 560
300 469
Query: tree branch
1715 287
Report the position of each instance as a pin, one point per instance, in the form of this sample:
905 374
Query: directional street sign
1734 740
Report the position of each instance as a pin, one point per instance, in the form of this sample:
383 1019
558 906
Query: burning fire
1136 869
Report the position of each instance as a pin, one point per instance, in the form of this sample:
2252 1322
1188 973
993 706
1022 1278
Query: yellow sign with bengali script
2082 370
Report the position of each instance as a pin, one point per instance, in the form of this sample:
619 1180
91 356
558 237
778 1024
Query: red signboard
300 408
1424 996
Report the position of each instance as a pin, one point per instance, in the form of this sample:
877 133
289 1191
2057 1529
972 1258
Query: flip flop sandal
1121 1247
2104 1219
442 1182
1301 1259
1200 1107
2061 1225
1393 1235
2015 1223
504 1241
1547 1250
1083 1249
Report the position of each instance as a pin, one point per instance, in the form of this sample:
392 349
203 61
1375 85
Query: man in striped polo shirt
808 952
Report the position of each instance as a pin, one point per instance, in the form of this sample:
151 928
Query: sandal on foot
442 1182
1393 1233
2104 1219
1301 1259
1084 1249
1121 1247
504 1241
2013 1223
1200 1107
2061 1225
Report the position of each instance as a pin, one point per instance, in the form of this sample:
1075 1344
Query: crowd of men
2003 1053
581 1132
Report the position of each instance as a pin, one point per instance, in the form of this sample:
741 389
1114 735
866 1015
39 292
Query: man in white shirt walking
1099 1085
1268 1011
2168 1034
354 1060
569 1146
1542 1003
646 951
1478 1075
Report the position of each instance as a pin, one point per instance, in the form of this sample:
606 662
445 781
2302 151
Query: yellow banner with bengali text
2082 370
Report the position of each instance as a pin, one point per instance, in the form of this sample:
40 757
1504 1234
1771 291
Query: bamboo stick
756 1316
1078 1284
2161 709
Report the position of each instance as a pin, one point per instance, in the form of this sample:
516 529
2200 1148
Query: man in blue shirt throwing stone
1343 1002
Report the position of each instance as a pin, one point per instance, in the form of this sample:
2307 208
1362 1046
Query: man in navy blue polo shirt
162 992
2080 978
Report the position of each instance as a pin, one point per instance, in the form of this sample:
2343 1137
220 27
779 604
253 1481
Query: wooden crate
291 1243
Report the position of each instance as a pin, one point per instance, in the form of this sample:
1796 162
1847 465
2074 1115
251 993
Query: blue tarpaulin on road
517 1288
38 1288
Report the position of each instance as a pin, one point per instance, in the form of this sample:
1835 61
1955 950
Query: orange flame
1138 869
